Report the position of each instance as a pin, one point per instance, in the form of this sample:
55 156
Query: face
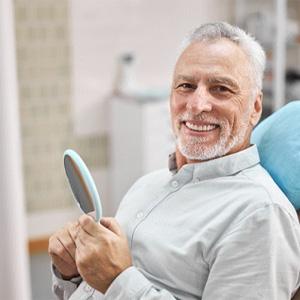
212 105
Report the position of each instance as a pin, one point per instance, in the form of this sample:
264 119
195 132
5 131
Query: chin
194 149
193 152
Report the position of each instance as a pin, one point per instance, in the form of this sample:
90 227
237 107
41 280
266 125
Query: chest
171 232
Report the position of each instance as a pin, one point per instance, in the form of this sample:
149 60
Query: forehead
220 57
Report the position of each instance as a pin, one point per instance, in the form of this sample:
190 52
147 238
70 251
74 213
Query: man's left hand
102 251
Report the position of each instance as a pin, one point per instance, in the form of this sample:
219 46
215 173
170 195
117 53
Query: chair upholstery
297 295
278 142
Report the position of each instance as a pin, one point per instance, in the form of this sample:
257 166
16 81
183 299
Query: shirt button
175 183
88 288
196 180
139 215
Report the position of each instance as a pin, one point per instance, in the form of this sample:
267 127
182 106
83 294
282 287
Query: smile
200 127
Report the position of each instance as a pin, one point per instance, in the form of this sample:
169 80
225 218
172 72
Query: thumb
112 225
92 214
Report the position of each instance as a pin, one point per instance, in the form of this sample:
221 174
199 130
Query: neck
182 160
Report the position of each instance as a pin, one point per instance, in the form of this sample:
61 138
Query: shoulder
152 178
147 183
266 192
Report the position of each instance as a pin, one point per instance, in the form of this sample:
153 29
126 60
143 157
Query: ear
256 109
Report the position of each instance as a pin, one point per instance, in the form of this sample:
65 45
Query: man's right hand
62 250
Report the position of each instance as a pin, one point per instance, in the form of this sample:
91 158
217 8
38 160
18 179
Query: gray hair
212 32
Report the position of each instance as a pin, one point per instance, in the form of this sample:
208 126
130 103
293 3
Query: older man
215 226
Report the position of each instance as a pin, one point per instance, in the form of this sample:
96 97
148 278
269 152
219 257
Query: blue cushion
278 142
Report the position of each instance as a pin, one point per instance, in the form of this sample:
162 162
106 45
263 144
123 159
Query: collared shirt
220 229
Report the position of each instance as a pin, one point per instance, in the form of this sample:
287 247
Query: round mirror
82 184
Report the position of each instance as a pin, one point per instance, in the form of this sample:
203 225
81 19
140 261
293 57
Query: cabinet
141 140
277 29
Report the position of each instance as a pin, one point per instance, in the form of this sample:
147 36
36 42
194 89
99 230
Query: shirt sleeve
257 259
133 285
63 289
130 284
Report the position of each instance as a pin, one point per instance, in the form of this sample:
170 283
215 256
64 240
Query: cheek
238 122
177 108
178 103
174 121
229 122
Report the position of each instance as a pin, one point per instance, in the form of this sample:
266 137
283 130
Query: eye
185 86
221 90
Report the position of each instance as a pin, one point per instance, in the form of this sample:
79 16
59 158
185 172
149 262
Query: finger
69 236
59 262
112 225
73 230
81 241
69 246
65 237
95 230
67 271
88 224
84 237
92 214
56 248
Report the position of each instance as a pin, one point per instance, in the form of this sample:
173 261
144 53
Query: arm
258 259
63 289
104 262
133 285
62 253
62 250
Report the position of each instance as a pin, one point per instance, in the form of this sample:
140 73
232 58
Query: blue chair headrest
278 142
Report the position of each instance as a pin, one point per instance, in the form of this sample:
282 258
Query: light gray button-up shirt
220 229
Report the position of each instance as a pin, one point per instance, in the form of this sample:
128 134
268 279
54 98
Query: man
216 226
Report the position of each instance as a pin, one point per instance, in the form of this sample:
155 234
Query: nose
199 101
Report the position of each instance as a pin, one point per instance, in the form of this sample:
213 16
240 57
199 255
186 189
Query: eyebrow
213 80
223 80
184 78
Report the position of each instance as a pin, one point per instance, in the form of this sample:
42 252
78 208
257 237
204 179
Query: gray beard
192 147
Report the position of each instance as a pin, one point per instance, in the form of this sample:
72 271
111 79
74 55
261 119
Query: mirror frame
87 181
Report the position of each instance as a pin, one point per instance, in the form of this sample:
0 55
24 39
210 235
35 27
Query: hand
102 252
62 249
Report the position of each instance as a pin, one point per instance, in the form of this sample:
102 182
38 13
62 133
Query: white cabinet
275 25
141 139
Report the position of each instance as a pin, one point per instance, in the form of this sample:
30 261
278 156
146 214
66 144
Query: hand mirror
82 184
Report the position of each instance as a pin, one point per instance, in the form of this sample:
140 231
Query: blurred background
95 76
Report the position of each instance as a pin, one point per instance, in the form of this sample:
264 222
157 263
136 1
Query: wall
67 53
151 29
43 53
101 31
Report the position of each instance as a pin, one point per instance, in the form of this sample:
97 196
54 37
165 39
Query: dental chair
278 142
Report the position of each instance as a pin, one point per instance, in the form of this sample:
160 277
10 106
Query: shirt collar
173 163
222 166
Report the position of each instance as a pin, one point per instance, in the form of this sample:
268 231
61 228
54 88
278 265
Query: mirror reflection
82 184
78 187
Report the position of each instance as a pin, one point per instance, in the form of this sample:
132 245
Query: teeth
200 128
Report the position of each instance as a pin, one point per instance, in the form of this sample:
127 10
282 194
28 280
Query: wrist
69 277
66 277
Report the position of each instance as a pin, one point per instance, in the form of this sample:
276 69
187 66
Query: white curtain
14 267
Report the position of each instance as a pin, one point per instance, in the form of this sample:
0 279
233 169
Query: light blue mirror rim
88 181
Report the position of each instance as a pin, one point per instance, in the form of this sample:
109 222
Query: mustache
200 117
